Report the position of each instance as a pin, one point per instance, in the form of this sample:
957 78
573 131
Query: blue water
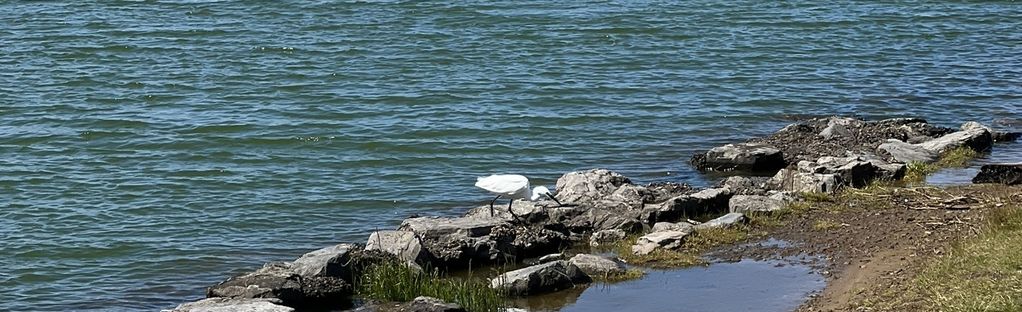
151 148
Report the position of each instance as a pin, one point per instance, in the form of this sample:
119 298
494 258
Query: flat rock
403 244
977 139
906 153
434 227
430 304
550 258
857 171
278 280
542 278
594 265
997 136
755 203
673 226
742 185
731 219
748 157
1010 174
607 237
232 305
803 182
669 240
329 261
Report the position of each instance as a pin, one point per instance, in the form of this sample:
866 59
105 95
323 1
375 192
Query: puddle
1001 154
745 285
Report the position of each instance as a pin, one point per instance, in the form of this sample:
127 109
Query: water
1010 153
151 148
761 286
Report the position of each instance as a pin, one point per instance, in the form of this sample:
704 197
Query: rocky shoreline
821 155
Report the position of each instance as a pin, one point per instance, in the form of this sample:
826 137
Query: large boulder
329 261
403 244
232 305
713 200
977 139
755 203
997 136
280 281
668 240
857 171
746 157
805 182
904 152
589 185
1003 174
459 242
728 220
594 265
542 278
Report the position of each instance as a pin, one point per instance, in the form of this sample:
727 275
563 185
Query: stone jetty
820 155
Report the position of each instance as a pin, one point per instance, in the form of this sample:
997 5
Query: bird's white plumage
511 185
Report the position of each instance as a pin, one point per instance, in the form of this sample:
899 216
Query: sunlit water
151 148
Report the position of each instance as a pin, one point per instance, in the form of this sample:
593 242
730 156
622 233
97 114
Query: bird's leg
511 211
559 204
491 204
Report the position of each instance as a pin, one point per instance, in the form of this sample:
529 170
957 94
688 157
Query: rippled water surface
151 148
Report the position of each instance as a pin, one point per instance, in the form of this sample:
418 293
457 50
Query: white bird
512 186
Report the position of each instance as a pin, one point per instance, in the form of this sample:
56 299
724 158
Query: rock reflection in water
740 286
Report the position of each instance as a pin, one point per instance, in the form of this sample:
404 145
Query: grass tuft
958 157
391 281
817 197
627 275
825 225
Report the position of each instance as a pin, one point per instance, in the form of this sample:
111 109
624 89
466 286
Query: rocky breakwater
603 207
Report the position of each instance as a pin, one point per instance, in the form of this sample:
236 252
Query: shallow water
1008 153
763 286
151 148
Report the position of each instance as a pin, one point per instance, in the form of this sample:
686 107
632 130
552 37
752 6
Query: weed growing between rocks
391 281
958 157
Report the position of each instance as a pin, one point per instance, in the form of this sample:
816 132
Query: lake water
151 148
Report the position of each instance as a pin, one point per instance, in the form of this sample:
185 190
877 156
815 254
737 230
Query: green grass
391 281
958 157
980 274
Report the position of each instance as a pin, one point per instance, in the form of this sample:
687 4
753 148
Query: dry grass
824 225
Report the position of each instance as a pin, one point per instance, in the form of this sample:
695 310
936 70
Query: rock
430 304
742 185
1003 174
232 305
669 240
979 140
669 226
727 220
997 136
606 237
542 278
457 242
403 244
531 212
594 265
755 203
835 130
714 200
550 258
857 171
589 185
750 157
434 227
278 280
802 182
906 153
330 261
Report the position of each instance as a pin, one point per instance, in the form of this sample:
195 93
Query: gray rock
457 242
542 278
1010 174
979 140
278 280
906 153
669 240
753 157
589 185
430 304
594 265
403 244
329 261
435 227
714 200
671 226
742 185
835 130
550 258
802 182
529 211
727 220
607 237
997 136
857 171
232 305
755 203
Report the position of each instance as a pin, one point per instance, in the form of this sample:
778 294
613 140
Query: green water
151 148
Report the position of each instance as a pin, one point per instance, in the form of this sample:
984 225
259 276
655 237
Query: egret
512 186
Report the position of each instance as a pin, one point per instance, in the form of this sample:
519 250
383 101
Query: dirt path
874 241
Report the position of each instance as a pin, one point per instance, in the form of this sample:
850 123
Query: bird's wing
503 183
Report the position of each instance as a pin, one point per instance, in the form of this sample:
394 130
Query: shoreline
817 156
